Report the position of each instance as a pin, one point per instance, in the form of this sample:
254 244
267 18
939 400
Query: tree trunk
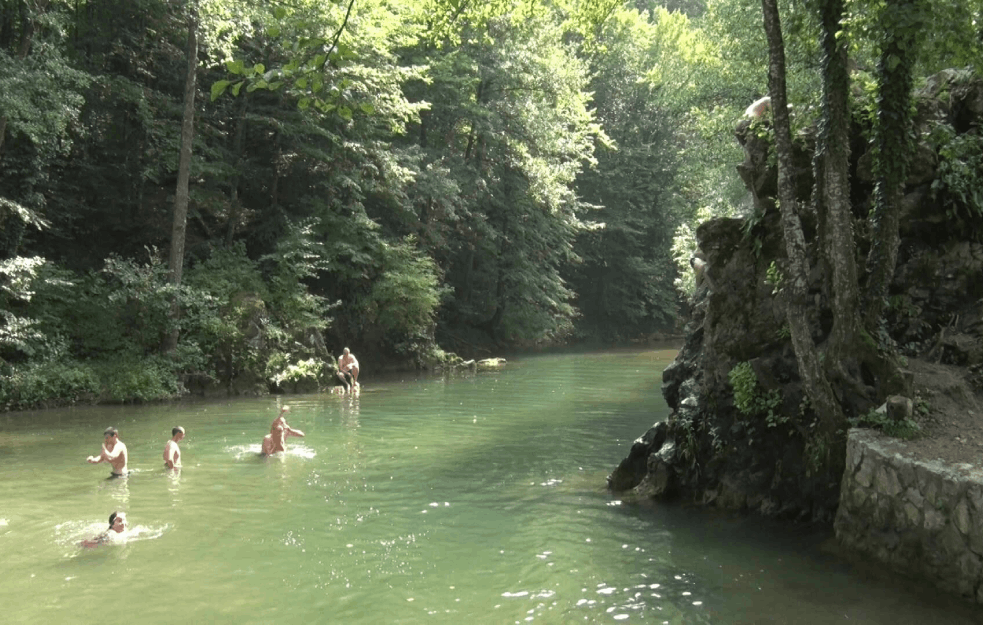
235 205
833 184
183 172
902 20
797 282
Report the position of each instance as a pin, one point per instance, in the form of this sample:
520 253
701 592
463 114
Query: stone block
928 484
913 516
970 566
859 497
854 454
951 543
906 473
960 517
975 496
949 492
865 476
886 481
912 495
934 520
883 511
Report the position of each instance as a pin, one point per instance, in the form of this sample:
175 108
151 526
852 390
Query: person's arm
169 456
97 459
293 432
109 456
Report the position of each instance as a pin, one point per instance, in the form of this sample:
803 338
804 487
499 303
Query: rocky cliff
740 435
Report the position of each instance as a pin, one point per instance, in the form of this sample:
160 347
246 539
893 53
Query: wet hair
346 350
177 430
112 519
111 431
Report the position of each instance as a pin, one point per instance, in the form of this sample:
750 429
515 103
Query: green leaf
304 104
218 88
345 113
259 68
301 83
234 67
367 108
236 87
273 31
280 13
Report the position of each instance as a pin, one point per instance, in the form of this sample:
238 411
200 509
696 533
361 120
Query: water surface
463 499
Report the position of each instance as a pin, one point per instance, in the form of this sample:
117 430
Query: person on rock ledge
348 365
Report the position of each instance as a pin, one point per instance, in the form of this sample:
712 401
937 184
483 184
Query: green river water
465 499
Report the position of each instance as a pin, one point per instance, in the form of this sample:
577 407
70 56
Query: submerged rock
490 363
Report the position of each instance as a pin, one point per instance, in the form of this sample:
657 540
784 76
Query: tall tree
832 192
902 24
797 300
178 231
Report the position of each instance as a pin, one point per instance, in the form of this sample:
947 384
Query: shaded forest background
396 177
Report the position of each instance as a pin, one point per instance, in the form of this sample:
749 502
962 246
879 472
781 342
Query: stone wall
923 518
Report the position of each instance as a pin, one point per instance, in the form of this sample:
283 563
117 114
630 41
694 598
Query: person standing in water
117 524
275 441
348 364
172 453
113 452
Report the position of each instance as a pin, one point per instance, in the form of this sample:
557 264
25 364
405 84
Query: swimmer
172 453
117 524
113 452
280 418
275 441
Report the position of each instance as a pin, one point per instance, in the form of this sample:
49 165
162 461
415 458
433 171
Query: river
462 499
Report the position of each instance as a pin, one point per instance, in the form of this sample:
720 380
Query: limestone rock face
758 455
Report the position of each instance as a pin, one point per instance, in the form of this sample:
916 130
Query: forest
228 192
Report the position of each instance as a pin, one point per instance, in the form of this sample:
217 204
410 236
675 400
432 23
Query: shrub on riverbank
51 384
47 385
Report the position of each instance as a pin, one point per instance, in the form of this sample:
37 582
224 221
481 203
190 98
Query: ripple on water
71 533
240 452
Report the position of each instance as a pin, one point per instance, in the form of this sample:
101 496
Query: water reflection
174 484
118 489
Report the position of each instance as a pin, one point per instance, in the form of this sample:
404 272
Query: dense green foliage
387 176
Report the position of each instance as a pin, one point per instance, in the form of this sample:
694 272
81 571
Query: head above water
346 351
117 521
111 431
177 430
